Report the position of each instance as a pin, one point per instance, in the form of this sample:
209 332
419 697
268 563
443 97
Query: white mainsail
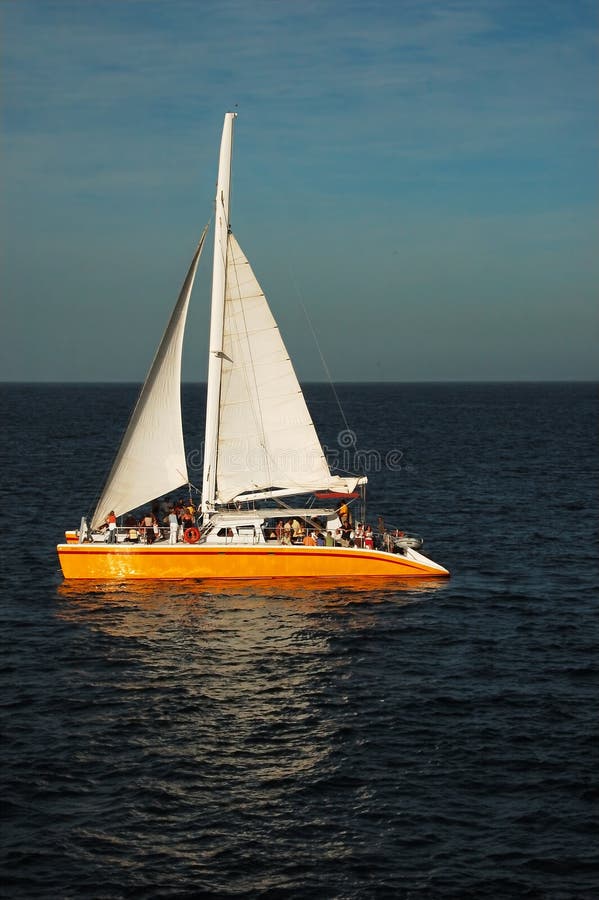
266 438
151 460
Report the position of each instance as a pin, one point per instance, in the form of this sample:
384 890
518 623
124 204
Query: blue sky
420 176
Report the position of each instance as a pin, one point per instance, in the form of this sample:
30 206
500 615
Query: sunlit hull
168 562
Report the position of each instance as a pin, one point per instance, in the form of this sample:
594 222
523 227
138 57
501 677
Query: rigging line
320 353
308 519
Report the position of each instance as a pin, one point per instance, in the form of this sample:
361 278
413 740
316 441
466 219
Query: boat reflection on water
251 677
142 606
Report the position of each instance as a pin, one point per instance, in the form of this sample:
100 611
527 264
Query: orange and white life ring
191 535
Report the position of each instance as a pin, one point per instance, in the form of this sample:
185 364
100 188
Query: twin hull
192 561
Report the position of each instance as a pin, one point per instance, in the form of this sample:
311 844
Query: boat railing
392 541
134 534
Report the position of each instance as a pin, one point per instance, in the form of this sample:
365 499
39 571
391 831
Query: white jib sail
151 459
266 438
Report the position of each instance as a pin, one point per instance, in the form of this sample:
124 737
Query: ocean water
413 741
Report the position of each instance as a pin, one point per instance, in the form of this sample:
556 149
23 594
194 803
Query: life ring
191 535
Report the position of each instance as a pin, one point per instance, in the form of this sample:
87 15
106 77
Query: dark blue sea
419 741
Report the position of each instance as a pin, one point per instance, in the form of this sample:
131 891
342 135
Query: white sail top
266 438
151 459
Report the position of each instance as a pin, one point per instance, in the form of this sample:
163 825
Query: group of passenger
165 519
360 536
364 536
293 531
171 520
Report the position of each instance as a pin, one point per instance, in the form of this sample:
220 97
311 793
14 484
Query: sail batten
151 460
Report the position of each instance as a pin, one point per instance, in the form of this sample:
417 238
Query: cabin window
246 534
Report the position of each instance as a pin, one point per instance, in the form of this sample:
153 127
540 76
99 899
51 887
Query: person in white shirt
174 527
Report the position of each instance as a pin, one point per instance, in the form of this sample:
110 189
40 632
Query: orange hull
234 562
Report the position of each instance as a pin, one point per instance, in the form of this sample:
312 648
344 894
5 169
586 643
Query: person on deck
345 516
186 519
111 522
279 531
359 536
309 540
147 523
173 523
346 535
328 540
368 538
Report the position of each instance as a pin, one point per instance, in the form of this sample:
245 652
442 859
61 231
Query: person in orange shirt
309 540
111 522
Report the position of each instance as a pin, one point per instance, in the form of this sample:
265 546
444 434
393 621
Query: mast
221 233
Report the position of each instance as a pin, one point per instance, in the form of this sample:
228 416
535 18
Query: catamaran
265 472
